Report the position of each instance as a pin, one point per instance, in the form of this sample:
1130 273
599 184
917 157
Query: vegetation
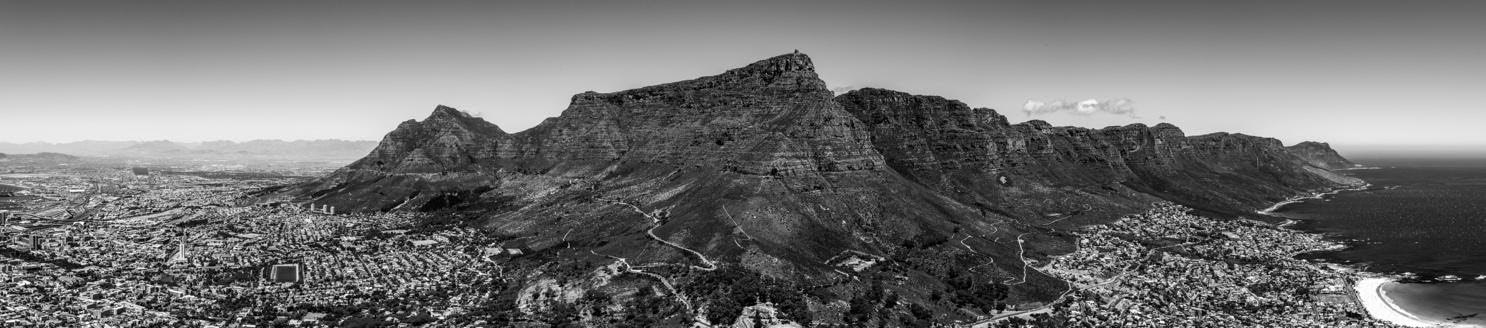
729 289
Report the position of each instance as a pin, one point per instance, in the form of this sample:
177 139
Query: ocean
1422 222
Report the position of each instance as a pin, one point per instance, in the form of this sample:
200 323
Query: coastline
1379 306
1368 288
1158 269
1315 195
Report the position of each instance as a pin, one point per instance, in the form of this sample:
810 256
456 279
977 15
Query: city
116 248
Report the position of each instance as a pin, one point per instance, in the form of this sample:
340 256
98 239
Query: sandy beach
1370 292
1316 195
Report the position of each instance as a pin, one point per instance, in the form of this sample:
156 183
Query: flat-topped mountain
778 102
761 172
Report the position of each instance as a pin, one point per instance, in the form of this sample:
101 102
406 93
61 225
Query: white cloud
1119 106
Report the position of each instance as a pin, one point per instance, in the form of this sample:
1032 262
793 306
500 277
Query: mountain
38 158
800 197
83 148
1320 155
326 150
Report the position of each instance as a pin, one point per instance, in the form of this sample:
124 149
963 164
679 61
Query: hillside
1321 155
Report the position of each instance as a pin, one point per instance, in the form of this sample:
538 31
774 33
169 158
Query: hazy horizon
188 142
1351 73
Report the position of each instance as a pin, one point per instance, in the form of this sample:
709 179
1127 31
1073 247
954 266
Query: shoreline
1314 195
1367 291
1379 306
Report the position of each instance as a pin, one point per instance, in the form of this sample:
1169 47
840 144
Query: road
655 223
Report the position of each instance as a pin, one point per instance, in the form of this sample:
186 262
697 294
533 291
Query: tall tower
180 250
182 246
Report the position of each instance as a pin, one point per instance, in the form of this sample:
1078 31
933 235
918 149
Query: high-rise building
180 251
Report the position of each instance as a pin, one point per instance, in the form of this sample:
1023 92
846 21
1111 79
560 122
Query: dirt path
1021 254
655 223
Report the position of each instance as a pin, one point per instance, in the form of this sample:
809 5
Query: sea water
1423 221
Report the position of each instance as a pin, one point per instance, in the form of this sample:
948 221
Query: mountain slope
764 172
958 150
1320 155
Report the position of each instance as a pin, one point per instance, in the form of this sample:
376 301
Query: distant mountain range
764 172
311 150
38 157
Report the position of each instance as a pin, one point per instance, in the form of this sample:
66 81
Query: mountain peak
448 139
446 111
787 75
790 62
788 72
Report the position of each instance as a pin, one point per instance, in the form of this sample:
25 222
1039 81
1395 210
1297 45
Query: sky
1353 73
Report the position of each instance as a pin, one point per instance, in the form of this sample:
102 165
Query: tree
562 315
723 310
596 301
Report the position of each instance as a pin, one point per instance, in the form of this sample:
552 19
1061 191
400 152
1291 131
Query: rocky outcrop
1321 155
762 316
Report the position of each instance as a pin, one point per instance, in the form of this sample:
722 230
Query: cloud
1121 106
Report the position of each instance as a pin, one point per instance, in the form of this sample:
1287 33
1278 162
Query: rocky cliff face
761 169
958 150
1320 155
771 118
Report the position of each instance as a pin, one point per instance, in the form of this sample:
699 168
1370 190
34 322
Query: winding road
655 223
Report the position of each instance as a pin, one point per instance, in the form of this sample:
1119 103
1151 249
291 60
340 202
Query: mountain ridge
764 170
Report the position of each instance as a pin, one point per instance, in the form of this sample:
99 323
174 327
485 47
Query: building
180 255
28 242
285 273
